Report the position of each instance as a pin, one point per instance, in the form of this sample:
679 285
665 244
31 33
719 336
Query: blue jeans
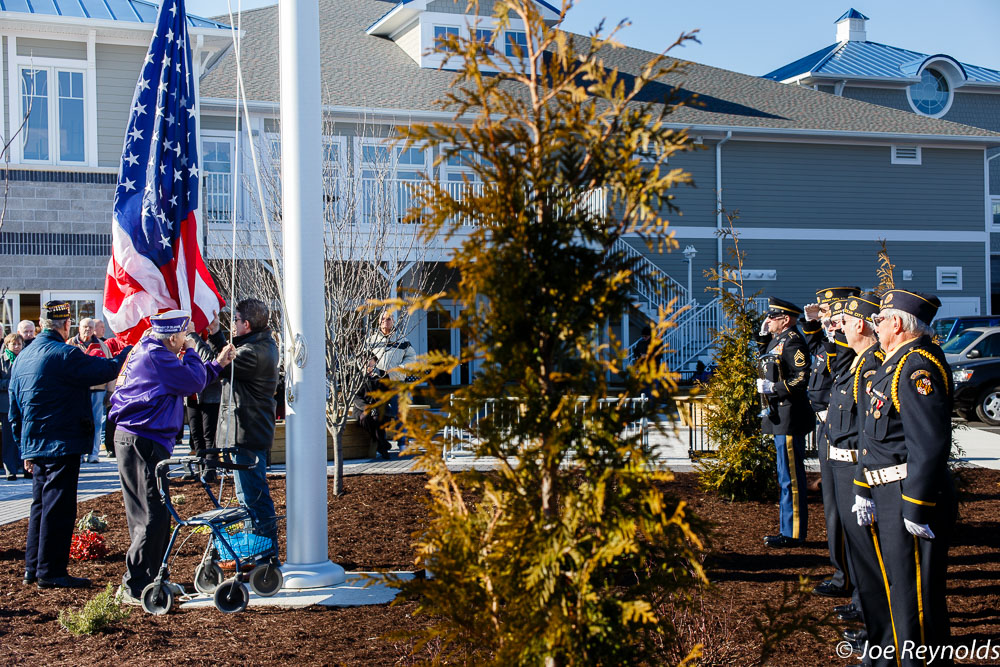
253 492
12 462
97 407
792 506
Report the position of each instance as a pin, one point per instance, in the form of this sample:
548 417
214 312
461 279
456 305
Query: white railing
217 197
504 413
651 283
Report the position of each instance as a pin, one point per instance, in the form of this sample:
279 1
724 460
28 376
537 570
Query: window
56 127
932 96
995 208
217 178
906 155
442 32
517 40
989 346
949 277
459 164
389 176
483 35
335 187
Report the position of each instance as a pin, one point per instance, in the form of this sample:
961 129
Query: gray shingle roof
359 70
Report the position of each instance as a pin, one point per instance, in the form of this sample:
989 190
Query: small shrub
87 545
178 499
97 614
94 522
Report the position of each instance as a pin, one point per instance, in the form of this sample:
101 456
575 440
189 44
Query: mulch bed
370 528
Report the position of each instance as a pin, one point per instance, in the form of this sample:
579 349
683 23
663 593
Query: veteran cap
922 306
170 322
56 310
862 306
831 294
776 307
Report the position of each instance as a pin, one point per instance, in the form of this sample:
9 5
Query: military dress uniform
784 362
905 438
830 357
869 602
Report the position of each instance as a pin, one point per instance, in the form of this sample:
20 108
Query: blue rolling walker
238 543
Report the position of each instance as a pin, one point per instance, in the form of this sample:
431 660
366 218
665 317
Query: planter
356 444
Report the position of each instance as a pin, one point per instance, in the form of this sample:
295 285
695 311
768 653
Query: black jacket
208 351
784 360
255 377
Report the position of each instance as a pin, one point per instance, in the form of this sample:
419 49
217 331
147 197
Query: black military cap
922 306
862 306
776 307
831 294
56 310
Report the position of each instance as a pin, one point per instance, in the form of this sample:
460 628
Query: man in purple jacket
148 410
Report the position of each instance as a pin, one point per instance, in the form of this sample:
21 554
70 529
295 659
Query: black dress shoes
827 589
781 541
11 478
847 612
29 578
859 635
64 582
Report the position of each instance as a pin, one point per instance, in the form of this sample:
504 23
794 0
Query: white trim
989 227
13 96
836 234
896 158
940 273
90 103
951 93
89 121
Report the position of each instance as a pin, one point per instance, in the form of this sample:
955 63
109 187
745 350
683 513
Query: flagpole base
300 576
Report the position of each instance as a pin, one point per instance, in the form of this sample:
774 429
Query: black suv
977 389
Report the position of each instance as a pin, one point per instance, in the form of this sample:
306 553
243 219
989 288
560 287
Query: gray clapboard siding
674 265
854 263
117 73
974 109
894 98
458 7
218 123
52 48
836 186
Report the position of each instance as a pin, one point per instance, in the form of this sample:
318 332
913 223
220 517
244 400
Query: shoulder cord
899 371
857 371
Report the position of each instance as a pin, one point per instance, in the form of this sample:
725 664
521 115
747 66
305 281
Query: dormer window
516 39
932 96
442 32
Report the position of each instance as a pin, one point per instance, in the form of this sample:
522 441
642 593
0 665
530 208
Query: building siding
117 73
409 41
797 185
459 7
976 109
855 263
885 97
51 48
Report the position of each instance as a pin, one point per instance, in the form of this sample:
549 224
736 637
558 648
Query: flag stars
193 171
128 184
164 241
131 158
143 84
178 174
173 9
139 109
170 36
136 134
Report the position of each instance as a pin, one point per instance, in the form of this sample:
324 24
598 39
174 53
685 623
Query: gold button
864 452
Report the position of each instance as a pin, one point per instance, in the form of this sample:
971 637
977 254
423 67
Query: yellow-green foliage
744 466
103 610
572 545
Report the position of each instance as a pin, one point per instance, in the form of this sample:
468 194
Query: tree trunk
338 460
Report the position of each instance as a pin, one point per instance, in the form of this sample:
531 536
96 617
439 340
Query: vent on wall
906 155
949 277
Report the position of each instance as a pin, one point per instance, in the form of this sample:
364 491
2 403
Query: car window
942 327
964 324
961 341
989 346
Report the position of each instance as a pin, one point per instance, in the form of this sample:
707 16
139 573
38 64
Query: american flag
155 262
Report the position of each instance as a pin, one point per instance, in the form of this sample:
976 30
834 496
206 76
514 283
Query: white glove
919 529
865 509
821 415
831 334
765 387
763 328
812 312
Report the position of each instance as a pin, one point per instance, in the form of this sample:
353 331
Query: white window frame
359 167
508 45
343 179
896 159
230 137
448 28
942 272
53 66
97 296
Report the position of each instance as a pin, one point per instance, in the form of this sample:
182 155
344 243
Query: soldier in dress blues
784 369
903 488
830 355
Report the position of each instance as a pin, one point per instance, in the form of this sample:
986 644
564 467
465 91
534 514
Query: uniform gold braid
857 372
899 371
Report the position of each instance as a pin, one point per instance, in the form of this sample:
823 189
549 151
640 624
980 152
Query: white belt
886 475
837 454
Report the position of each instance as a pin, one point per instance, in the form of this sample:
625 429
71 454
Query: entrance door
441 335
81 303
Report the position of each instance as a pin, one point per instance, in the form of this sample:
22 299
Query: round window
931 95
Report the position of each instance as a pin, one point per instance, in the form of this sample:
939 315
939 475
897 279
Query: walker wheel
231 597
266 580
157 599
207 577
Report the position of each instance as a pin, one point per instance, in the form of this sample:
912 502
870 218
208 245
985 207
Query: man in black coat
784 370
254 379
53 424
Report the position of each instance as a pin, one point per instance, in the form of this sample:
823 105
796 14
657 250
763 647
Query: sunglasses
878 319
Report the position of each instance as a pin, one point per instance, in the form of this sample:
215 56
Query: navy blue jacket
49 392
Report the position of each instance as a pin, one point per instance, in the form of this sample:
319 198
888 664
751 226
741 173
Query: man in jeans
254 378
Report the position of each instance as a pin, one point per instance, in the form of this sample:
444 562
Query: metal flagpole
308 563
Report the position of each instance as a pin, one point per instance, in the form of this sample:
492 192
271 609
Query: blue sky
756 37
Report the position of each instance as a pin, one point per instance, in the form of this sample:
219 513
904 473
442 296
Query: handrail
651 282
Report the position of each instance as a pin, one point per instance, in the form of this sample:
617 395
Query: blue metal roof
852 13
869 59
132 11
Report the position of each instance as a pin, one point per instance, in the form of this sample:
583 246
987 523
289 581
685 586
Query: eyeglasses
878 319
